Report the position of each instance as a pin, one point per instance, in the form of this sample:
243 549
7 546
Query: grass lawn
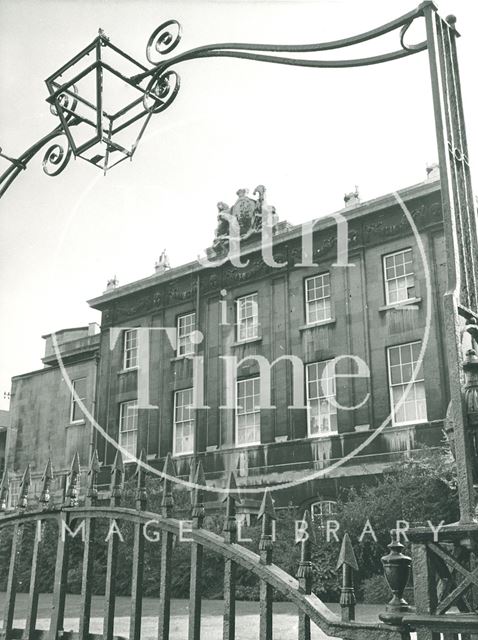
247 618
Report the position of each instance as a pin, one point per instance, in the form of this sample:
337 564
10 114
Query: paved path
285 617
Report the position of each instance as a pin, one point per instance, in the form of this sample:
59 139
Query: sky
308 135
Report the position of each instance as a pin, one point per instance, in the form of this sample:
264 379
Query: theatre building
357 323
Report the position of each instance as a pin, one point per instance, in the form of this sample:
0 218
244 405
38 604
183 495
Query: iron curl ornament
105 138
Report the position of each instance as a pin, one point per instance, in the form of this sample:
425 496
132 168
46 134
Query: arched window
323 510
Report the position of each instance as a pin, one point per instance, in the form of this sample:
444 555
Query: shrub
375 590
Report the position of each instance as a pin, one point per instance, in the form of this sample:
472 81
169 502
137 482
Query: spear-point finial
267 514
4 489
92 494
231 497
348 563
24 488
47 478
141 496
117 475
347 554
169 472
198 511
267 507
73 486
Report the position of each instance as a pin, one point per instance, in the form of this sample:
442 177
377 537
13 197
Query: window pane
79 393
130 349
322 414
128 426
186 326
247 317
317 297
184 421
248 411
399 276
403 360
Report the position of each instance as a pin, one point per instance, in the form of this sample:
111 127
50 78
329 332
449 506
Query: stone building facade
46 421
383 310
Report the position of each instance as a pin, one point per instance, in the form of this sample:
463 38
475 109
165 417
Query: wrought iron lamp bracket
158 86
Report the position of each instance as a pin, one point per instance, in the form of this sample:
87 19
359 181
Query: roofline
351 212
88 355
47 335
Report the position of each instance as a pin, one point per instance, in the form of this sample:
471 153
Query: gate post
460 225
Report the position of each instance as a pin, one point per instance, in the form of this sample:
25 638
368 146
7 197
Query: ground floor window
248 412
128 426
407 406
322 511
184 421
321 411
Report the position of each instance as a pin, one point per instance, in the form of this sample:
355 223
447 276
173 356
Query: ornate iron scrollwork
55 159
160 85
163 40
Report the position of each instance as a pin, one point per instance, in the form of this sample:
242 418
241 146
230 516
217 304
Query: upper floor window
248 412
128 426
317 298
247 317
321 412
184 422
130 349
322 511
399 277
402 362
186 326
79 393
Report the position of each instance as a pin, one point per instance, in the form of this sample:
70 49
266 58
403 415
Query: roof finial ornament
352 198
103 35
163 263
112 283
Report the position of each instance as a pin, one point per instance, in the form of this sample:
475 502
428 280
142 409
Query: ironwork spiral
56 158
163 40
67 103
161 91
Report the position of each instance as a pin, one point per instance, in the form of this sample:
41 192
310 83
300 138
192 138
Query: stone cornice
179 284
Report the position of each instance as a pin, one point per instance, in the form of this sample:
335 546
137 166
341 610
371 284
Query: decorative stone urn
396 567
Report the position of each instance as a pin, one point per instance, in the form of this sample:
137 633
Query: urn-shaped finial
396 567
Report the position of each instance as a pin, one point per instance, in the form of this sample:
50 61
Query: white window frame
127 350
411 395
243 320
74 402
319 514
123 417
183 339
176 422
255 412
325 299
322 395
408 274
